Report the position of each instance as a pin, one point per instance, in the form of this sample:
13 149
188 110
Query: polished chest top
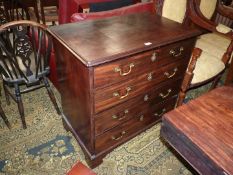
99 41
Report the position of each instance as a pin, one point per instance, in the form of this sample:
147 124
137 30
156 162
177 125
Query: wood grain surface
102 97
100 41
205 126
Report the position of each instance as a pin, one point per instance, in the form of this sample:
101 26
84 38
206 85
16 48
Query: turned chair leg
188 76
181 98
6 94
20 106
2 114
52 96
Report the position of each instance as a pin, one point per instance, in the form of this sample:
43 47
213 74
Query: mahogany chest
118 76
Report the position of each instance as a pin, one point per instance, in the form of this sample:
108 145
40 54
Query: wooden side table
202 131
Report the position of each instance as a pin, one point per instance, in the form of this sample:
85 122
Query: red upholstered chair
136 8
86 6
69 7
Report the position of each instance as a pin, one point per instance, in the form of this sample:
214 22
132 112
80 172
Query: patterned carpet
45 148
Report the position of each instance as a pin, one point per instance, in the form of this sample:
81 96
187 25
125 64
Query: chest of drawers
118 76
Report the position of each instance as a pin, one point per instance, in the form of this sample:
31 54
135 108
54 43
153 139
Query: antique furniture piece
21 9
118 75
49 11
201 131
226 2
216 47
2 114
15 10
25 48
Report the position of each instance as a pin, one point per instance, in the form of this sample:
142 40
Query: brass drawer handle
117 69
168 75
154 57
116 94
173 52
150 76
120 137
168 93
120 118
160 114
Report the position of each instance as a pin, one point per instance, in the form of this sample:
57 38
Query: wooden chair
21 9
224 19
3 19
214 48
2 114
221 36
31 4
25 48
49 11
15 10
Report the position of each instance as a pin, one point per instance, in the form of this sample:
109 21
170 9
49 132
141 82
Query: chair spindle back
24 52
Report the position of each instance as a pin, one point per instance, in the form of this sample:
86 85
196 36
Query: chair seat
223 28
213 44
207 66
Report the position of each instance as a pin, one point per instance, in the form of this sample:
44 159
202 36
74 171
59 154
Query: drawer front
111 96
151 114
123 112
134 65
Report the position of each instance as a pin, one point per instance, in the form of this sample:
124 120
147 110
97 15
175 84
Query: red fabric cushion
91 1
136 8
80 169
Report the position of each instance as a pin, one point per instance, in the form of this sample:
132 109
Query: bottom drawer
152 113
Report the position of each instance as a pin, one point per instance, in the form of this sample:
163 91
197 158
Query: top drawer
126 68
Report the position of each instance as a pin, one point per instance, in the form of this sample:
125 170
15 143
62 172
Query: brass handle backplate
166 95
154 57
120 137
150 76
117 94
117 69
176 54
121 117
168 75
161 113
